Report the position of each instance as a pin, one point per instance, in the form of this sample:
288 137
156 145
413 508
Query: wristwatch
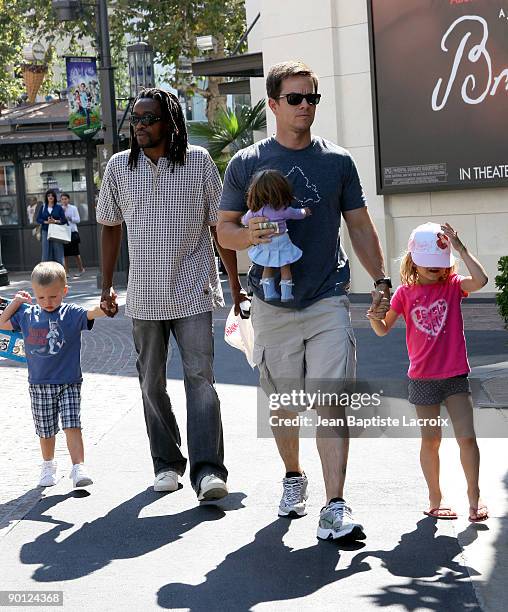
383 281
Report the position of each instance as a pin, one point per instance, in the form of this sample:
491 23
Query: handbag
59 233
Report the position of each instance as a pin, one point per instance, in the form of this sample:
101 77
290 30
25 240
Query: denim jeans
51 250
194 337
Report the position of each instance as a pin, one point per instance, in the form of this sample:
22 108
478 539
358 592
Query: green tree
12 39
171 27
229 132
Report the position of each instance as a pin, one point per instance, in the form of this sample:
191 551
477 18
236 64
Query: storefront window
64 176
8 204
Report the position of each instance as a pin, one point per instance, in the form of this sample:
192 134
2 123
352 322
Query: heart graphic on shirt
432 319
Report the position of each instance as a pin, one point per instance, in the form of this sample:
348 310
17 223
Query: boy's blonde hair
48 272
409 275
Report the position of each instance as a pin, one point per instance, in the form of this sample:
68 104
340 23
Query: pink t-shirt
434 328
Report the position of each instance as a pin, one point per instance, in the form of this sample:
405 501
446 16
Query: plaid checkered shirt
173 272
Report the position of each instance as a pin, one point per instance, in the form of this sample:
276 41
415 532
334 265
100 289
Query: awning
245 65
19 137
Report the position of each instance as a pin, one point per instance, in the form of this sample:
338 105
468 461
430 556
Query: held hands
453 237
108 303
308 211
23 297
380 305
256 235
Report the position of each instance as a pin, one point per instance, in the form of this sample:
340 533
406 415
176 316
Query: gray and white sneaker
166 482
336 521
294 496
212 488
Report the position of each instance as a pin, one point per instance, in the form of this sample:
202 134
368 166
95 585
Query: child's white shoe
48 474
79 476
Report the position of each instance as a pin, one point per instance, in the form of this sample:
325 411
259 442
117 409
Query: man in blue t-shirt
307 344
52 334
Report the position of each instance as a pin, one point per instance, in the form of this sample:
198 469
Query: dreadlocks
171 113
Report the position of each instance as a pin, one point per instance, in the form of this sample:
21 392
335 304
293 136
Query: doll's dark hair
269 187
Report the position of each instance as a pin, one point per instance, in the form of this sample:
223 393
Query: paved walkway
123 547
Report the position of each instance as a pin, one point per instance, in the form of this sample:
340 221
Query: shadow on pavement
120 534
435 578
496 585
265 570
16 509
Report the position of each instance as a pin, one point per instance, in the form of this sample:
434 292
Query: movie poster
83 95
440 90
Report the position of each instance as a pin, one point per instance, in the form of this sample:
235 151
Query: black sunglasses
144 120
294 99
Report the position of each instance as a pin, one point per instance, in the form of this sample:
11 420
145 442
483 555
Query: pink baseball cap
429 247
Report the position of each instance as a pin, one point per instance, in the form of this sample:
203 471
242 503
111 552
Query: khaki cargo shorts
312 350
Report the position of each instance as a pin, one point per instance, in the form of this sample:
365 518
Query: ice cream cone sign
33 75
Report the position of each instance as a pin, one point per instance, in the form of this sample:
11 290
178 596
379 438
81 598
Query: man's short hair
284 70
48 272
66 195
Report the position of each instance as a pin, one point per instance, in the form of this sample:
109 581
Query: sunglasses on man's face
294 99
144 119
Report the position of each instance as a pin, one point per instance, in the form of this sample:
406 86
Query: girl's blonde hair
409 274
269 187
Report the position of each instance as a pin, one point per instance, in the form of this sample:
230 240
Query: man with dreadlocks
168 194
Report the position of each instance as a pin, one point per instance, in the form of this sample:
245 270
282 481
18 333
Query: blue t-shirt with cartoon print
52 342
324 178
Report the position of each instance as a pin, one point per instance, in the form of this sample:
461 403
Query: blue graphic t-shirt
324 178
52 342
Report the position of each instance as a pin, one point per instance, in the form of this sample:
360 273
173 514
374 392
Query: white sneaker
79 476
48 474
294 496
336 521
211 488
166 481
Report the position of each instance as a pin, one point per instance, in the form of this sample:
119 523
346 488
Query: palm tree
230 131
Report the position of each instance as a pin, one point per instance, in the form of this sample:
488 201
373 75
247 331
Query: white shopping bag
239 334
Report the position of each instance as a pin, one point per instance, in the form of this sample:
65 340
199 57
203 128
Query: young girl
270 196
429 300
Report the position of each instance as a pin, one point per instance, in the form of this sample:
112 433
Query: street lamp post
109 121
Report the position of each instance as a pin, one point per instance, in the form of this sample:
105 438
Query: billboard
440 93
83 95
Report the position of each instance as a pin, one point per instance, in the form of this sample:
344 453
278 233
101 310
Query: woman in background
51 212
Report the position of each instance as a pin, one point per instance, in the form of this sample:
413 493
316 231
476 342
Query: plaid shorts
430 391
50 400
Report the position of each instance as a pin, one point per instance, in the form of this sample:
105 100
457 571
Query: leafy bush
502 284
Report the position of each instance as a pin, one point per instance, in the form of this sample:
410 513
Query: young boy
52 334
